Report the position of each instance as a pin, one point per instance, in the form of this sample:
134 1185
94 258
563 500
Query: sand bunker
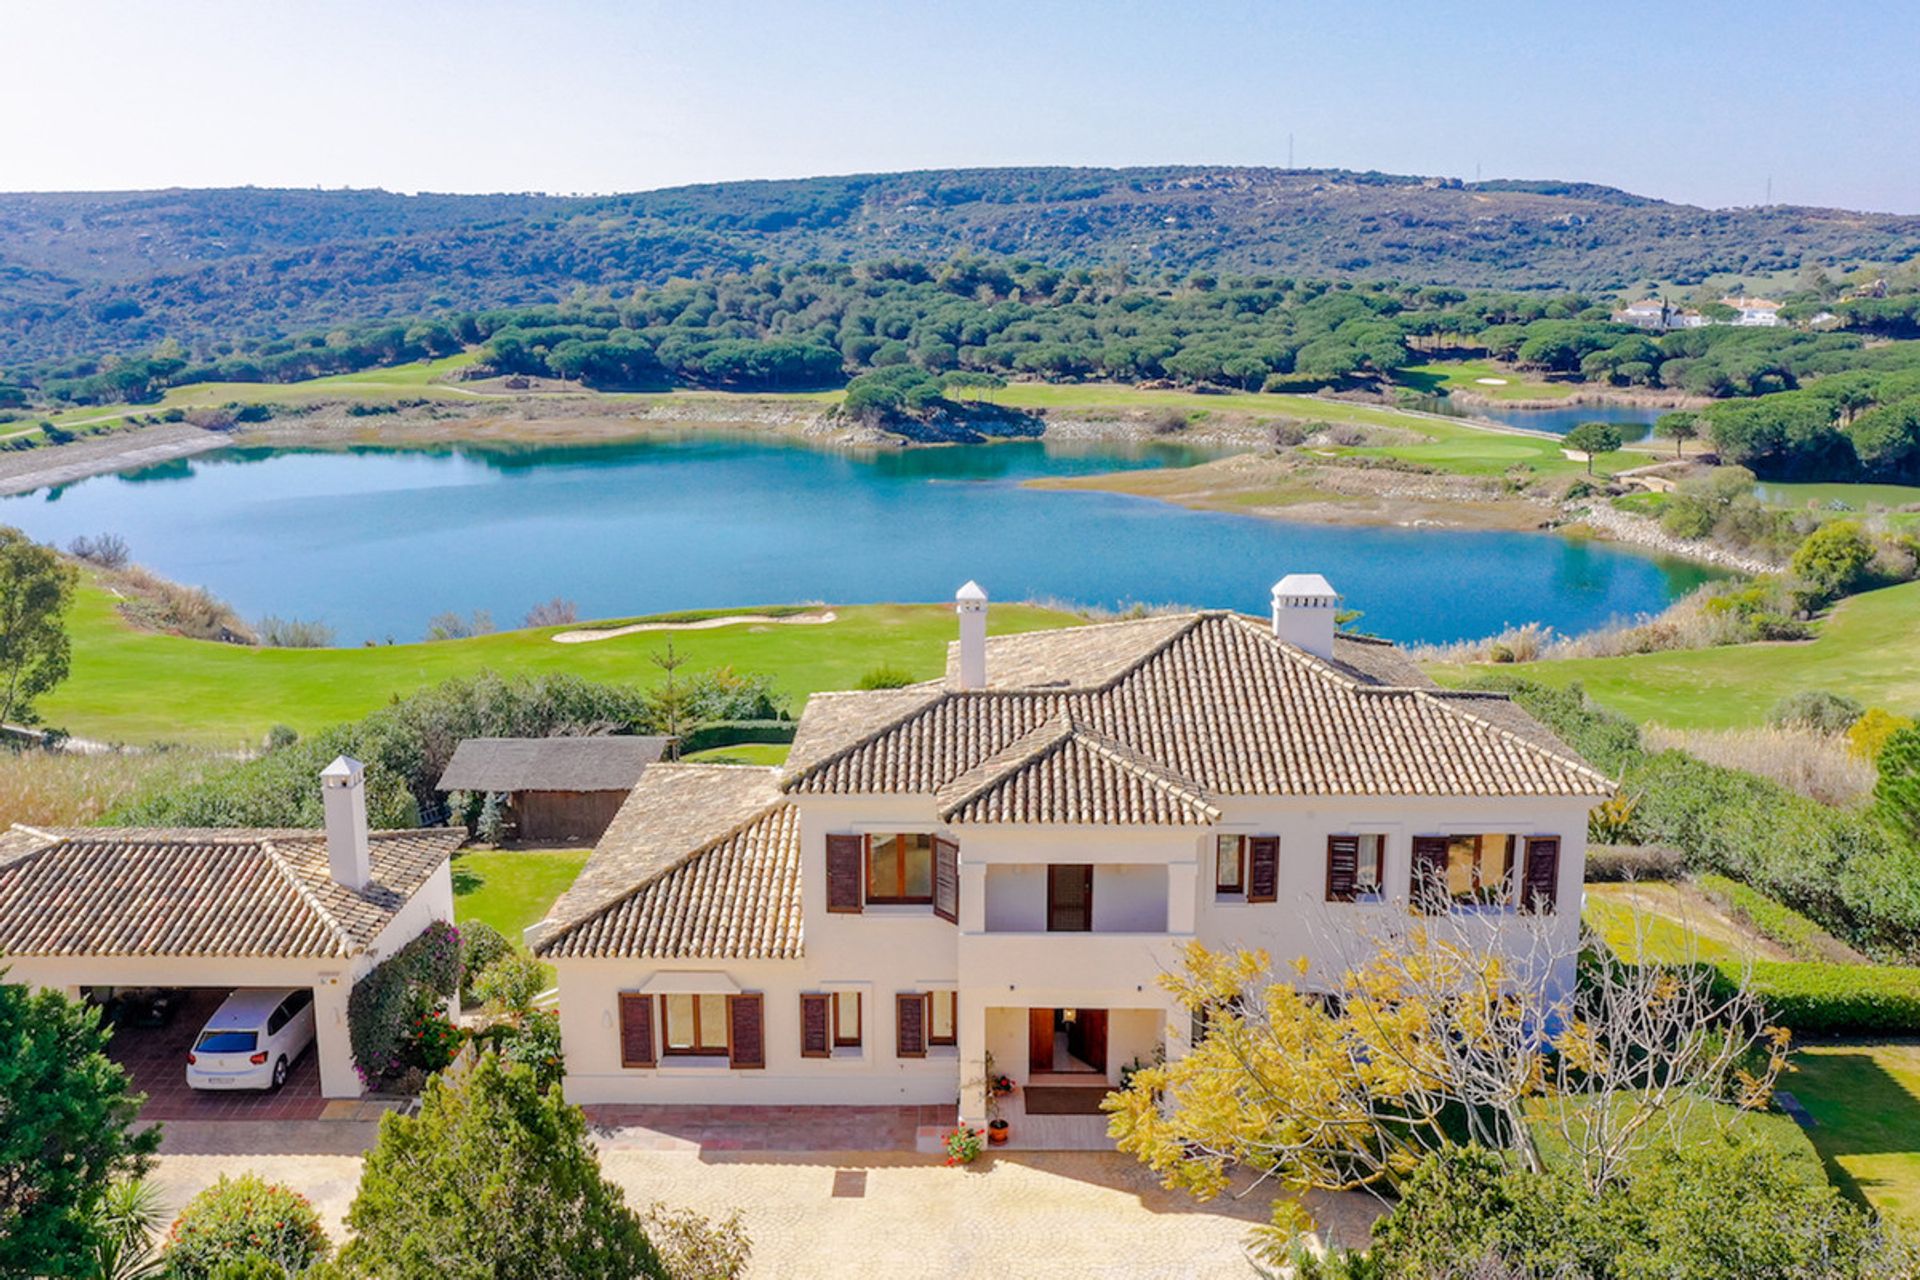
1491 382
704 624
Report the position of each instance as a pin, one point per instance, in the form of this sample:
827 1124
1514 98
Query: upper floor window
900 868
1230 864
1460 870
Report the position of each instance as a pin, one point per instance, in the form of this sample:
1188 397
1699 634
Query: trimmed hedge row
1835 999
728 733
1781 924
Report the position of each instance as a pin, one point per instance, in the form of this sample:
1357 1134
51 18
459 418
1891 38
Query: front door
1065 1041
1069 897
1039 1040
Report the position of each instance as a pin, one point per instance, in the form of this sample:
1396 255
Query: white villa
1761 312
1006 860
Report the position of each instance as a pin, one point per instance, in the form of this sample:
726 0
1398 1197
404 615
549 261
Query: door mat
1065 1100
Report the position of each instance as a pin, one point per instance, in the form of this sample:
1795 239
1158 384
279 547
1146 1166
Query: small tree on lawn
65 1131
493 1180
1896 796
1594 439
1439 1034
1679 427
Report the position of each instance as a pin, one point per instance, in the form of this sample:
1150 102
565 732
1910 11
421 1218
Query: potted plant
996 1087
963 1146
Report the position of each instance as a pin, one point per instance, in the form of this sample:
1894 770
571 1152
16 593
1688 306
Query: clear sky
1691 101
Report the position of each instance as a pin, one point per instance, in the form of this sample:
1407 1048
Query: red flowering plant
964 1145
435 1039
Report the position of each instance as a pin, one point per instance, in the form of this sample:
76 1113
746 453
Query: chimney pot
343 796
970 602
1304 605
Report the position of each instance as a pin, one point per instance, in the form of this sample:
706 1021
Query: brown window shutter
845 856
1343 867
1429 891
946 879
1263 868
1540 883
816 1012
636 1030
910 1025
747 1045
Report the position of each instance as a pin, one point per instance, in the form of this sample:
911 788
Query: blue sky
1700 102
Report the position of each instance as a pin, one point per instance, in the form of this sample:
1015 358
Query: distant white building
1761 312
1657 315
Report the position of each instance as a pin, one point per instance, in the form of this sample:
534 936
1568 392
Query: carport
92 907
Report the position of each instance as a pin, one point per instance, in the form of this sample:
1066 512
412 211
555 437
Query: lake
1559 421
376 541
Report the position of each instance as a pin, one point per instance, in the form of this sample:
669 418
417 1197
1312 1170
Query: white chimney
1304 605
970 602
343 792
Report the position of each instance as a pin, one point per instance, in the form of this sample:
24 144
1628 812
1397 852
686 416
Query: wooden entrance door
1039 1040
1088 1042
1069 897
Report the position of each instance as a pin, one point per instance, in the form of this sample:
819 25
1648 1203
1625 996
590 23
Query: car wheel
279 1072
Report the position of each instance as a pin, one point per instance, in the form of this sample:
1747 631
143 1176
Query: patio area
734 1128
156 1058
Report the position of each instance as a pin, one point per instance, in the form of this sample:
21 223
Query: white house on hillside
1761 312
1006 860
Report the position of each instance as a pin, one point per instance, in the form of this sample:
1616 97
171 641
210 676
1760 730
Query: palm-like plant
125 1223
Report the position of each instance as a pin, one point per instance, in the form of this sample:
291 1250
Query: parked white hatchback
252 1039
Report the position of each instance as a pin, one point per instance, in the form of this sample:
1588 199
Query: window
1369 876
1463 869
846 1019
694 1024
1230 865
900 868
942 1018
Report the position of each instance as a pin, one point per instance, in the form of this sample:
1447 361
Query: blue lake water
1558 421
376 541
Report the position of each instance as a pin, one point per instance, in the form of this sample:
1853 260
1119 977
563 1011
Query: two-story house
1007 860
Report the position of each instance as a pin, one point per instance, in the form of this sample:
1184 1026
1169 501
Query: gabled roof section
599 763
1071 657
1064 774
701 861
101 891
1218 699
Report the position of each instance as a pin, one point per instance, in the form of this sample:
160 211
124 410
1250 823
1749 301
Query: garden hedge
382 1006
728 733
1835 999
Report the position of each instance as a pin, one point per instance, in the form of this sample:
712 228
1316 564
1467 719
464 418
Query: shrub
237 1219
533 1042
1632 862
109 550
1873 730
451 626
282 736
886 676
491 826
383 1006
480 945
293 633
694 1247
1816 709
1835 558
435 1040
557 612
1896 797
511 983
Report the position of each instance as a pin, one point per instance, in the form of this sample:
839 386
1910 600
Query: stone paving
156 1057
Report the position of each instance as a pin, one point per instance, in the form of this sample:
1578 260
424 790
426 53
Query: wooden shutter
816 1013
1429 891
636 1030
1263 868
1343 867
845 856
1540 878
946 880
746 1021
910 1025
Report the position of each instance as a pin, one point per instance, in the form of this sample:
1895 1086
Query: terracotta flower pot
997 1133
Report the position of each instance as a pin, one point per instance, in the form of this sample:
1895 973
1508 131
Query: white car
251 1039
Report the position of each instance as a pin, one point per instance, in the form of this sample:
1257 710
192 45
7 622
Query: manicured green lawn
743 753
1856 497
1867 650
511 888
135 686
1437 376
1865 1102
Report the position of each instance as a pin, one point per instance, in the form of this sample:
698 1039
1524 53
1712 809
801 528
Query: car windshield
226 1042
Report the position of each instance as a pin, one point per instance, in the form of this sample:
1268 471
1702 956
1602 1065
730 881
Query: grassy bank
134 686
1865 650
1481 378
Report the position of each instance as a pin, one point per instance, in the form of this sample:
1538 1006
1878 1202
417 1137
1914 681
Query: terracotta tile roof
1215 698
87 891
600 763
702 860
1062 773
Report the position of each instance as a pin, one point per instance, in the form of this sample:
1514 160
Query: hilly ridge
98 272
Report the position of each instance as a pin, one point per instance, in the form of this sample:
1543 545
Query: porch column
1183 894
332 1040
973 896
972 1028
